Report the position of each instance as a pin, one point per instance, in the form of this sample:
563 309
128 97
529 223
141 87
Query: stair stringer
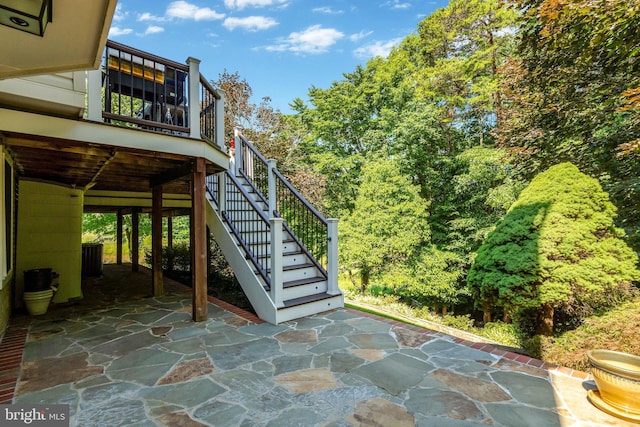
242 268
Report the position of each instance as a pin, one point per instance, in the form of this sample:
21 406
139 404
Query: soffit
74 40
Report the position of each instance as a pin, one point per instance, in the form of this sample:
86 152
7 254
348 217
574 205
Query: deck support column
135 235
198 225
156 242
119 237
332 257
170 243
193 96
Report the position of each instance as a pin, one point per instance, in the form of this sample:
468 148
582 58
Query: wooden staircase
294 282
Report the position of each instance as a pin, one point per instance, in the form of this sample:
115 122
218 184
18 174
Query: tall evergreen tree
556 249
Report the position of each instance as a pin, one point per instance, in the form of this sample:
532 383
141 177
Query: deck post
271 182
135 239
194 97
238 149
332 257
119 237
170 243
94 95
276 262
222 192
199 242
156 242
218 124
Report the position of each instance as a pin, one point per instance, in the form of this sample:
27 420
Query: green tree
387 226
99 224
463 47
556 249
483 188
572 94
434 278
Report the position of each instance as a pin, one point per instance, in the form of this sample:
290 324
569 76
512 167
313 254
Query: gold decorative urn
617 376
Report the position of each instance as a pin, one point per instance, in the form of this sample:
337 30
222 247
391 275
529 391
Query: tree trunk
544 325
364 282
486 313
497 96
444 310
506 318
127 232
353 280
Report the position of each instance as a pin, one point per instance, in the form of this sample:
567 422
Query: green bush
462 322
504 333
557 249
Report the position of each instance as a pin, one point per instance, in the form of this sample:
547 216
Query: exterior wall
50 236
5 308
7 227
60 94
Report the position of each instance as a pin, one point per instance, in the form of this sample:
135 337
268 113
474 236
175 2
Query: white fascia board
100 133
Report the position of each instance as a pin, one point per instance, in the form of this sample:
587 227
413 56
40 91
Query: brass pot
617 376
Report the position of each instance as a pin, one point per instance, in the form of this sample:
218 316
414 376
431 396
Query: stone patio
122 359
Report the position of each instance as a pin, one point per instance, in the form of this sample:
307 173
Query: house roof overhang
73 40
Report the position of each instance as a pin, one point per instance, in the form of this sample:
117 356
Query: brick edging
12 346
520 358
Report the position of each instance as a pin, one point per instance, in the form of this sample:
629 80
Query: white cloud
241 4
327 10
250 23
119 14
153 29
183 10
359 36
149 17
117 31
379 48
395 4
313 40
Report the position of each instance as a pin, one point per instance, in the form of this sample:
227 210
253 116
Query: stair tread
292 267
304 281
297 266
307 299
283 254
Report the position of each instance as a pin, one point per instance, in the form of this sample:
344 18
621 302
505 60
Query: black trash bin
38 280
92 259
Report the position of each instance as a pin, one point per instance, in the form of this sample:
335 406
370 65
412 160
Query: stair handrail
255 172
315 248
314 234
235 227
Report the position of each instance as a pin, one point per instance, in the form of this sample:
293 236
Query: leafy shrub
504 333
611 330
462 322
379 290
557 249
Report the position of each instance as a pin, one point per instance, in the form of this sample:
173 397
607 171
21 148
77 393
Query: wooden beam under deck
199 242
119 237
156 243
135 239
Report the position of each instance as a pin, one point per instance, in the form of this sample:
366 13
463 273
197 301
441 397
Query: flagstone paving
143 362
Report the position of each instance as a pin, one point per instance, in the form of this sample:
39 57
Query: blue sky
281 47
